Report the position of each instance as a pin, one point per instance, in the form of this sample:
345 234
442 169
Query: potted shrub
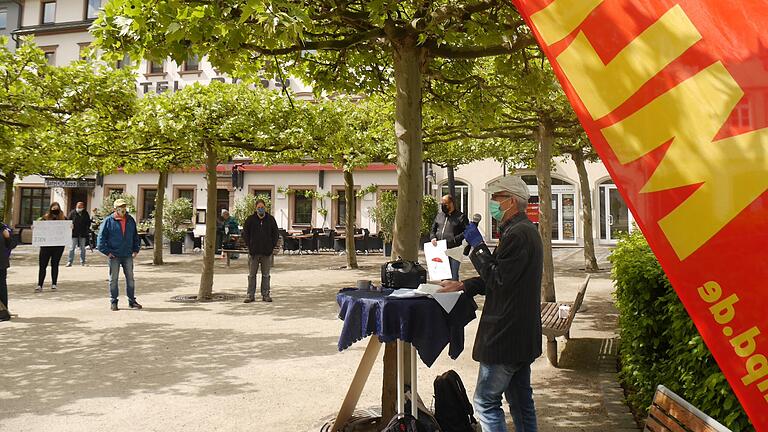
176 215
384 216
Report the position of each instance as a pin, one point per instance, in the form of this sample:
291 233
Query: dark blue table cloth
419 321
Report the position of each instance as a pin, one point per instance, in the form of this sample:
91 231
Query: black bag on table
453 410
402 274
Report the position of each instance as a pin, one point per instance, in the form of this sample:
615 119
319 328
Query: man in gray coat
509 334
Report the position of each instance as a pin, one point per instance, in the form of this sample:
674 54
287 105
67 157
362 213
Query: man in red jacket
260 234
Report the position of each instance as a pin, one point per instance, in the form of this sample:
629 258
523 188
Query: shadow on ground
135 358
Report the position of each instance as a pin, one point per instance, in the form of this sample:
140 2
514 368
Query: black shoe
266 298
114 307
134 305
248 300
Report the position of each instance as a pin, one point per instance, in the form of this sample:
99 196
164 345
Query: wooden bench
671 413
552 326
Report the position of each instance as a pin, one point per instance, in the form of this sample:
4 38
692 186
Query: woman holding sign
50 253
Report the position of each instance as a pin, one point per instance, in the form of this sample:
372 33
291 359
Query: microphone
476 218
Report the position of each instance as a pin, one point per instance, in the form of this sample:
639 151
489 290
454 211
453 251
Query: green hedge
659 343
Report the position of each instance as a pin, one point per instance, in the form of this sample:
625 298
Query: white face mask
79 210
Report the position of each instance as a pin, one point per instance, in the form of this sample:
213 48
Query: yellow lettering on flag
603 87
561 17
733 172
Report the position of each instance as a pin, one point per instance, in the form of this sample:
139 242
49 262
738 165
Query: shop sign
668 92
70 183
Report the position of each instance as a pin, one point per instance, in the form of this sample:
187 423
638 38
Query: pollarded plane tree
353 46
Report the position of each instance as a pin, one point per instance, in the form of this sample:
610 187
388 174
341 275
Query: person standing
509 334
6 244
119 241
260 235
81 228
449 225
50 254
228 227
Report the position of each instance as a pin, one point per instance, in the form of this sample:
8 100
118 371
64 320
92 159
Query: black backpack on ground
453 410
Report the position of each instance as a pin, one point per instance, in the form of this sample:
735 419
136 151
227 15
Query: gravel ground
71 364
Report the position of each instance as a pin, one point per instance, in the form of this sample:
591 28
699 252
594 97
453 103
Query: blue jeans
454 268
114 270
514 382
81 242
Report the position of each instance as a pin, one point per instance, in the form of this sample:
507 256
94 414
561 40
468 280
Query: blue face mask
494 208
261 211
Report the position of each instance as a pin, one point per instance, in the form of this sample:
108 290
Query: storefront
563 208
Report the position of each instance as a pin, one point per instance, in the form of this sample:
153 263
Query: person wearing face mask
509 334
449 225
119 241
81 228
50 254
260 234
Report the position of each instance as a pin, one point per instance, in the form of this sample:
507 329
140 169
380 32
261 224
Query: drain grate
192 298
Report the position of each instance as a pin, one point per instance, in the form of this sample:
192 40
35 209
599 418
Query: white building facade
60 29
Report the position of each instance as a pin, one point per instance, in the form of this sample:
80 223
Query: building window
50 55
192 64
147 203
92 9
49 13
461 200
84 48
34 204
340 208
156 67
302 208
186 193
125 62
3 19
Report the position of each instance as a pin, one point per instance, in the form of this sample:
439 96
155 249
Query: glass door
614 214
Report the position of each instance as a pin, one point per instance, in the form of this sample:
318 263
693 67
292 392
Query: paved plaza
71 364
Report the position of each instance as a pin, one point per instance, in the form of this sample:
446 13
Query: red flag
674 96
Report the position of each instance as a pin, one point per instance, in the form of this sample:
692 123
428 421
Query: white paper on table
437 261
407 293
446 300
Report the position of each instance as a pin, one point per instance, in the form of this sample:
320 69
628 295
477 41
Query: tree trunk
408 62
8 178
157 252
590 261
349 197
206 278
545 140
452 184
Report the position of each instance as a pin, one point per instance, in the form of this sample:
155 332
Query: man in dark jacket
119 241
81 228
449 225
509 334
260 234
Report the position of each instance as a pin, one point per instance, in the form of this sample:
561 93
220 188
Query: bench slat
548 314
663 418
652 425
682 412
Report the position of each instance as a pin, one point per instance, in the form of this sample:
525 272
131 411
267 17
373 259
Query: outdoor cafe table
418 324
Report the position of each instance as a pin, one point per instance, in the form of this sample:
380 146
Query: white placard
437 261
52 233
